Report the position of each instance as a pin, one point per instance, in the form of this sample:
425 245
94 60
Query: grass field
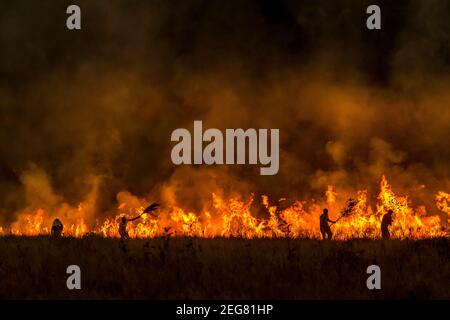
175 268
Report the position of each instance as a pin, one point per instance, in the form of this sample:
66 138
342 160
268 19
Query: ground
193 268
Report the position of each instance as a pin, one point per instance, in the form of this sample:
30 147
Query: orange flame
235 217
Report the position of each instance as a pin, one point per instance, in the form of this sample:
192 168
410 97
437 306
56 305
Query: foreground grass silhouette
193 268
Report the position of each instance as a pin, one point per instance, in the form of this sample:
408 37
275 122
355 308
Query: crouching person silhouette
57 228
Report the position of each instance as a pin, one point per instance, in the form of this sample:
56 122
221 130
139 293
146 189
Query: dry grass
34 267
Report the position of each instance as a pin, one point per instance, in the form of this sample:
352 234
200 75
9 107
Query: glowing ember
233 217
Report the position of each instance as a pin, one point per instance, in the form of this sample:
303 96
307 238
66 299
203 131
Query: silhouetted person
385 223
123 221
123 226
325 229
57 227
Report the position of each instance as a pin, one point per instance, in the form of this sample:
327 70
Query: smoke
86 116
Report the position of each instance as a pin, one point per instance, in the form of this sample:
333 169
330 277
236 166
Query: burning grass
236 217
219 268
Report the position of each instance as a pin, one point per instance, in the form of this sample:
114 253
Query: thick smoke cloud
89 114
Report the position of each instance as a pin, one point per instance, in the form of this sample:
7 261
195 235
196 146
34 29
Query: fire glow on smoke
233 217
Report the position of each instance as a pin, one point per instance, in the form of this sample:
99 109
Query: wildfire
443 202
236 217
